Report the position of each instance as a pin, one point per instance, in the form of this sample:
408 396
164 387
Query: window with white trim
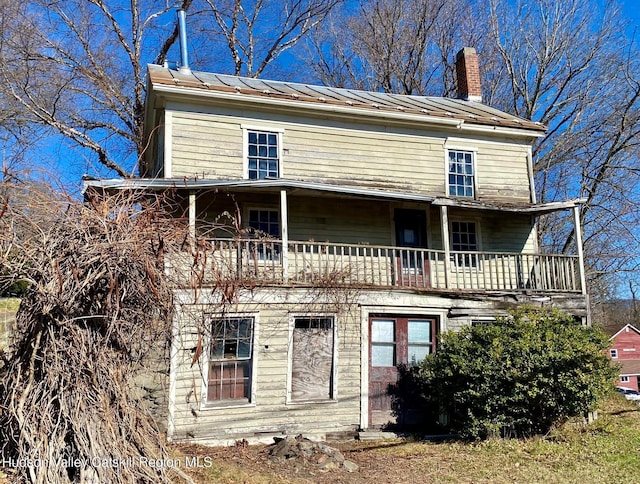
312 360
263 155
229 379
613 352
624 379
461 174
464 238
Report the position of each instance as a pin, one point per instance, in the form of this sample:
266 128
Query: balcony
316 263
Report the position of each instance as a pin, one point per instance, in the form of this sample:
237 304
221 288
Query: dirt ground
253 464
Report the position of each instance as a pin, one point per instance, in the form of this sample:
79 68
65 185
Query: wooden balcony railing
369 265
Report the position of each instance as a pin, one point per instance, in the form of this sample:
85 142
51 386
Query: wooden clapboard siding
270 412
206 145
508 234
210 144
502 173
339 220
398 160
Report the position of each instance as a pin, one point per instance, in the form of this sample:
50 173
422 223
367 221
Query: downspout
184 56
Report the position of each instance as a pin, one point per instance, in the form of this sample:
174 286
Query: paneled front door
394 340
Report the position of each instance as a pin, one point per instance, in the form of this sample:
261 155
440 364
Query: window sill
308 402
225 405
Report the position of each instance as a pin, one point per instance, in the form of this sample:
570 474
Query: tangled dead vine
97 310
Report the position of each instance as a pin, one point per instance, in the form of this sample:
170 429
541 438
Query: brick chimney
468 74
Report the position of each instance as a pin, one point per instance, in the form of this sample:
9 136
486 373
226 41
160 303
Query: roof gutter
475 128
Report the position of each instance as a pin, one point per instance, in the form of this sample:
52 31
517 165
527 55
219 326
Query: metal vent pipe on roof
184 56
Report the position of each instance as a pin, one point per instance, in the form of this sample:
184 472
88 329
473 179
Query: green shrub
517 376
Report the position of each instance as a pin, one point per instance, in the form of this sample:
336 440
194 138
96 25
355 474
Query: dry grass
606 451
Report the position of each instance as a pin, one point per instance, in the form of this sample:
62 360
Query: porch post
444 224
578 238
284 223
192 214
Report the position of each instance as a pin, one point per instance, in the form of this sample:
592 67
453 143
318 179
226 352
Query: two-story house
625 349
357 225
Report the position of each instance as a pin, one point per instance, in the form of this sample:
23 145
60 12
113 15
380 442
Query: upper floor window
461 175
613 352
263 155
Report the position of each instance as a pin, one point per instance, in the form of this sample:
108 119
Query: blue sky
632 9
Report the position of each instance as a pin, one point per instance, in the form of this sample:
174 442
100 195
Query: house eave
160 184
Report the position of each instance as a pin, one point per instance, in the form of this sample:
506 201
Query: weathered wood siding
340 220
270 413
209 144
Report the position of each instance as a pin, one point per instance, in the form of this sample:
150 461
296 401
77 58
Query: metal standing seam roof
439 107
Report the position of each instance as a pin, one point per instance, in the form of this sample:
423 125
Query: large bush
517 376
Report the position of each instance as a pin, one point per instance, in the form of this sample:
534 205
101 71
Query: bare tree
96 315
402 47
254 33
566 64
77 67
568 67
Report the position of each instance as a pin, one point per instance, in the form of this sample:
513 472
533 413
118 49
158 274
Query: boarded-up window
312 360
230 360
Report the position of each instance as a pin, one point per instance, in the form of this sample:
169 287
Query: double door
394 340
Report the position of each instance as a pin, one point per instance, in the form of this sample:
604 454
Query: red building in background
625 349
